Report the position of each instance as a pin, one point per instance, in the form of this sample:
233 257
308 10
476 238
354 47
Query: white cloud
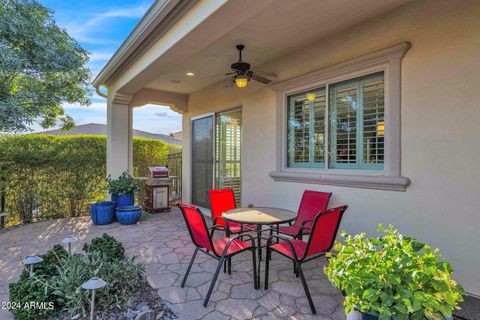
99 56
94 106
161 114
81 30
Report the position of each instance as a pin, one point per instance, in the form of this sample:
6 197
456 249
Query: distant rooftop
101 129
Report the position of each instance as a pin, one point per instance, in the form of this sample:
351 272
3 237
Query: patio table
259 216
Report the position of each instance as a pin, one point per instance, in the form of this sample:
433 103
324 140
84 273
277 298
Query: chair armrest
231 239
305 222
217 226
269 242
303 227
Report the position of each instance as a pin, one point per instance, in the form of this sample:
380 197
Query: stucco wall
440 129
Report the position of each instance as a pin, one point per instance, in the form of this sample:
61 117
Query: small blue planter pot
102 212
128 214
123 199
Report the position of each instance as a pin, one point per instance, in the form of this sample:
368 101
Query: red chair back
311 204
221 201
197 227
324 230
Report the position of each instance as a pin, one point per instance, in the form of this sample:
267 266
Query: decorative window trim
387 60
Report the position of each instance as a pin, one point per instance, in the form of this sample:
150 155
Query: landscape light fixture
31 261
69 240
93 284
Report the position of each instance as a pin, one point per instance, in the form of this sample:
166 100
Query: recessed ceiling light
190 74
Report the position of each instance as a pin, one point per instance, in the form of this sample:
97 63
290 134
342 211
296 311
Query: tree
41 67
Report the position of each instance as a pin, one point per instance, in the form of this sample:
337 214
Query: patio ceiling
269 29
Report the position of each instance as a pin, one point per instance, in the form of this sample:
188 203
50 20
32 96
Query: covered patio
374 101
163 244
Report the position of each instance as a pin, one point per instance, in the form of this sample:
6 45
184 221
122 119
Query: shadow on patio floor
162 243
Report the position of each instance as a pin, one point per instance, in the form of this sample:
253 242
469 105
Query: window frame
387 60
359 84
293 164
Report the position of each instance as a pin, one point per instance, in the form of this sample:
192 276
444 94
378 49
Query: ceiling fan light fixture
241 81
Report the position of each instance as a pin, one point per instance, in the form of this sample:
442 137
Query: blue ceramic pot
102 212
123 199
128 214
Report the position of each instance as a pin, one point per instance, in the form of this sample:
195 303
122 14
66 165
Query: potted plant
122 189
392 277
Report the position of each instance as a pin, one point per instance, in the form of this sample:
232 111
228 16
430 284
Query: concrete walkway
162 243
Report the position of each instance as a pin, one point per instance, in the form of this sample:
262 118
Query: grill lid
158 172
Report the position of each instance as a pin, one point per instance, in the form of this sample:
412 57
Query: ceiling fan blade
266 74
218 75
261 79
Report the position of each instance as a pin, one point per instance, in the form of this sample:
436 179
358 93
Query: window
346 130
306 124
355 125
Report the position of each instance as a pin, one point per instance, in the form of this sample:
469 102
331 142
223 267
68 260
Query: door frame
214 143
226 111
201 116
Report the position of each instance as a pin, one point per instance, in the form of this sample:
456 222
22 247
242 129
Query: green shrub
51 259
123 184
47 176
31 289
393 276
123 278
62 287
107 245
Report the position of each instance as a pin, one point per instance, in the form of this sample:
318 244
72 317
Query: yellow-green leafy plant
393 276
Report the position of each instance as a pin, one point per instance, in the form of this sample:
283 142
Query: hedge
46 176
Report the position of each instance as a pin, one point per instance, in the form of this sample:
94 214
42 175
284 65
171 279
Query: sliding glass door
228 140
216 155
202 159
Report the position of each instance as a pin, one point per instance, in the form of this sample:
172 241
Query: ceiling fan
242 74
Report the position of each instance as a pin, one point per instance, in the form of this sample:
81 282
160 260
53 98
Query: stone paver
162 243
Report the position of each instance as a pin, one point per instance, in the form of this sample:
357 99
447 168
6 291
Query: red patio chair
311 204
222 200
322 237
221 249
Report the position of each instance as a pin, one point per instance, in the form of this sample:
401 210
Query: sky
100 28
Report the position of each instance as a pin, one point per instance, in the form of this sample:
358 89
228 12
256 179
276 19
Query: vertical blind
355 125
202 160
228 152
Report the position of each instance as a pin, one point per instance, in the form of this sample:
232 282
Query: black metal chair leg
229 265
225 266
305 287
217 271
267 265
278 232
259 241
256 282
189 267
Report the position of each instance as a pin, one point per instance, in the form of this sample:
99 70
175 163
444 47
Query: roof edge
155 15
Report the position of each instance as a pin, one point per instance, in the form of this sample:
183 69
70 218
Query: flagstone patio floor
162 243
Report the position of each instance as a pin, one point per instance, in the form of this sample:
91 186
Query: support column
119 135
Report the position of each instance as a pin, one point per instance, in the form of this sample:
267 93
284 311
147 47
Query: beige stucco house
375 101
